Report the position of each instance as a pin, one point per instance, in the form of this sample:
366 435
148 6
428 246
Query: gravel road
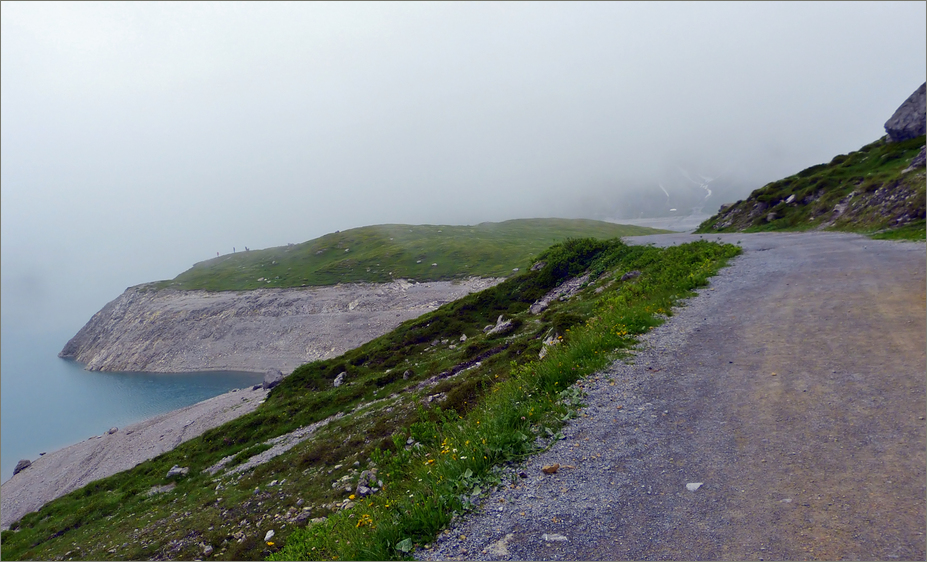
791 389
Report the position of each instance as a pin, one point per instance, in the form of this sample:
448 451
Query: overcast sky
140 138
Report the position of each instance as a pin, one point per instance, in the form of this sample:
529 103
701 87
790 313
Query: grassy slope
394 251
490 413
884 199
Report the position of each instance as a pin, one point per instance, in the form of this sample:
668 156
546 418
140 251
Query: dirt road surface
792 389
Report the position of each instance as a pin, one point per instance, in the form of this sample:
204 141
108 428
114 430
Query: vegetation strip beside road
431 431
457 455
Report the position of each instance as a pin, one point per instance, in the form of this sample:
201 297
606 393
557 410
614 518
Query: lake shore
65 470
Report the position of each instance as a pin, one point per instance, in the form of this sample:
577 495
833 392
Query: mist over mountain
138 139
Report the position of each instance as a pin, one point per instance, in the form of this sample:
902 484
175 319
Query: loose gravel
753 424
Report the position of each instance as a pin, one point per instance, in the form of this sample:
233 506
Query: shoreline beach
62 471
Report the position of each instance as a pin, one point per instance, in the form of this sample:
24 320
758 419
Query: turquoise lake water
47 403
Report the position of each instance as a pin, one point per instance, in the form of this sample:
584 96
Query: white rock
553 537
269 535
693 486
500 547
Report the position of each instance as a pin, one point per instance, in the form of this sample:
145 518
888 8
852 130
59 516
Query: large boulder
21 466
909 120
272 378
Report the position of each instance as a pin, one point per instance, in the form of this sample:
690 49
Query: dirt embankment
178 331
779 415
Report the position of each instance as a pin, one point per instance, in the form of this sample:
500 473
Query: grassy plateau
378 254
424 419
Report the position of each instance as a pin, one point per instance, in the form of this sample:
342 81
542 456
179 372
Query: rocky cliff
910 119
259 330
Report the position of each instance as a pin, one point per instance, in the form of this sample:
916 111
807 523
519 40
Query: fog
140 138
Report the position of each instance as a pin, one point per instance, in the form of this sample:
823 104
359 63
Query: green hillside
434 408
873 191
395 251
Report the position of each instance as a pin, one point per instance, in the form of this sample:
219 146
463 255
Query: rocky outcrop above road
865 191
180 331
909 120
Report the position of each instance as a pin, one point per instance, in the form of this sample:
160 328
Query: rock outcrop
909 120
181 331
272 378
918 161
501 327
863 191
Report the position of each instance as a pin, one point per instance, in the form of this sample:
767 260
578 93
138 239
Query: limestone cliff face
180 331
910 120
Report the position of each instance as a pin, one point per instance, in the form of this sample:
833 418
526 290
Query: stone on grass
161 489
339 380
177 471
272 378
269 535
502 327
